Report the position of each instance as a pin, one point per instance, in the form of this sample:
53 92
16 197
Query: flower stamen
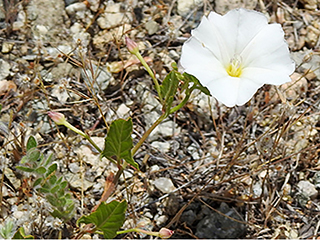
234 68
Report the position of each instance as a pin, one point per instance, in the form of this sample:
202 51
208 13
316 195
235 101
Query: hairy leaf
33 155
53 179
41 170
108 218
31 143
51 169
25 169
37 182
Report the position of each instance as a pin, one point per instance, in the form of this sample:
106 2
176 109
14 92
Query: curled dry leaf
6 86
116 67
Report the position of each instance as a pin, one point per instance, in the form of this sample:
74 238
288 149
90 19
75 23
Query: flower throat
234 68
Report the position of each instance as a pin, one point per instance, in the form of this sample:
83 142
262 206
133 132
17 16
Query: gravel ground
207 171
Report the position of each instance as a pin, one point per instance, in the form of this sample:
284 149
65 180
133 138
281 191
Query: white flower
235 54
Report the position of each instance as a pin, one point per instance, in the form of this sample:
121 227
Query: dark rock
215 225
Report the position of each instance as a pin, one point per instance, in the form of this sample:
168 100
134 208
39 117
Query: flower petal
277 60
261 75
200 62
238 27
266 44
233 91
209 36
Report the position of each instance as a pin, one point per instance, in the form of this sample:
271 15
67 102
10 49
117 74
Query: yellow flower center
234 68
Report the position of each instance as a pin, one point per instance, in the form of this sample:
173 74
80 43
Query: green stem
86 136
147 133
156 234
184 101
155 81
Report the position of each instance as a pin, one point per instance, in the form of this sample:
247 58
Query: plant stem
86 136
155 81
184 101
147 133
139 231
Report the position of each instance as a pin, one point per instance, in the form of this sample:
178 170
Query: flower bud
132 46
57 117
165 233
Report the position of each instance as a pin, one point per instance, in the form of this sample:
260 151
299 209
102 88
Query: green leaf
6 230
44 190
118 142
33 155
193 79
51 169
21 235
55 189
25 169
41 170
108 218
37 182
48 161
31 143
168 89
53 179
52 200
63 185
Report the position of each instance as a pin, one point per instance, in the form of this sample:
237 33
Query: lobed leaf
108 218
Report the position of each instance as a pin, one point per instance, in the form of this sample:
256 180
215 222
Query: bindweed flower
235 54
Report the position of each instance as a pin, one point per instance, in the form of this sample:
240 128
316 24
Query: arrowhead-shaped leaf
118 142
169 88
108 218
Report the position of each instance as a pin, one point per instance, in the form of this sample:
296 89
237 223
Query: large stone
215 225
308 189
